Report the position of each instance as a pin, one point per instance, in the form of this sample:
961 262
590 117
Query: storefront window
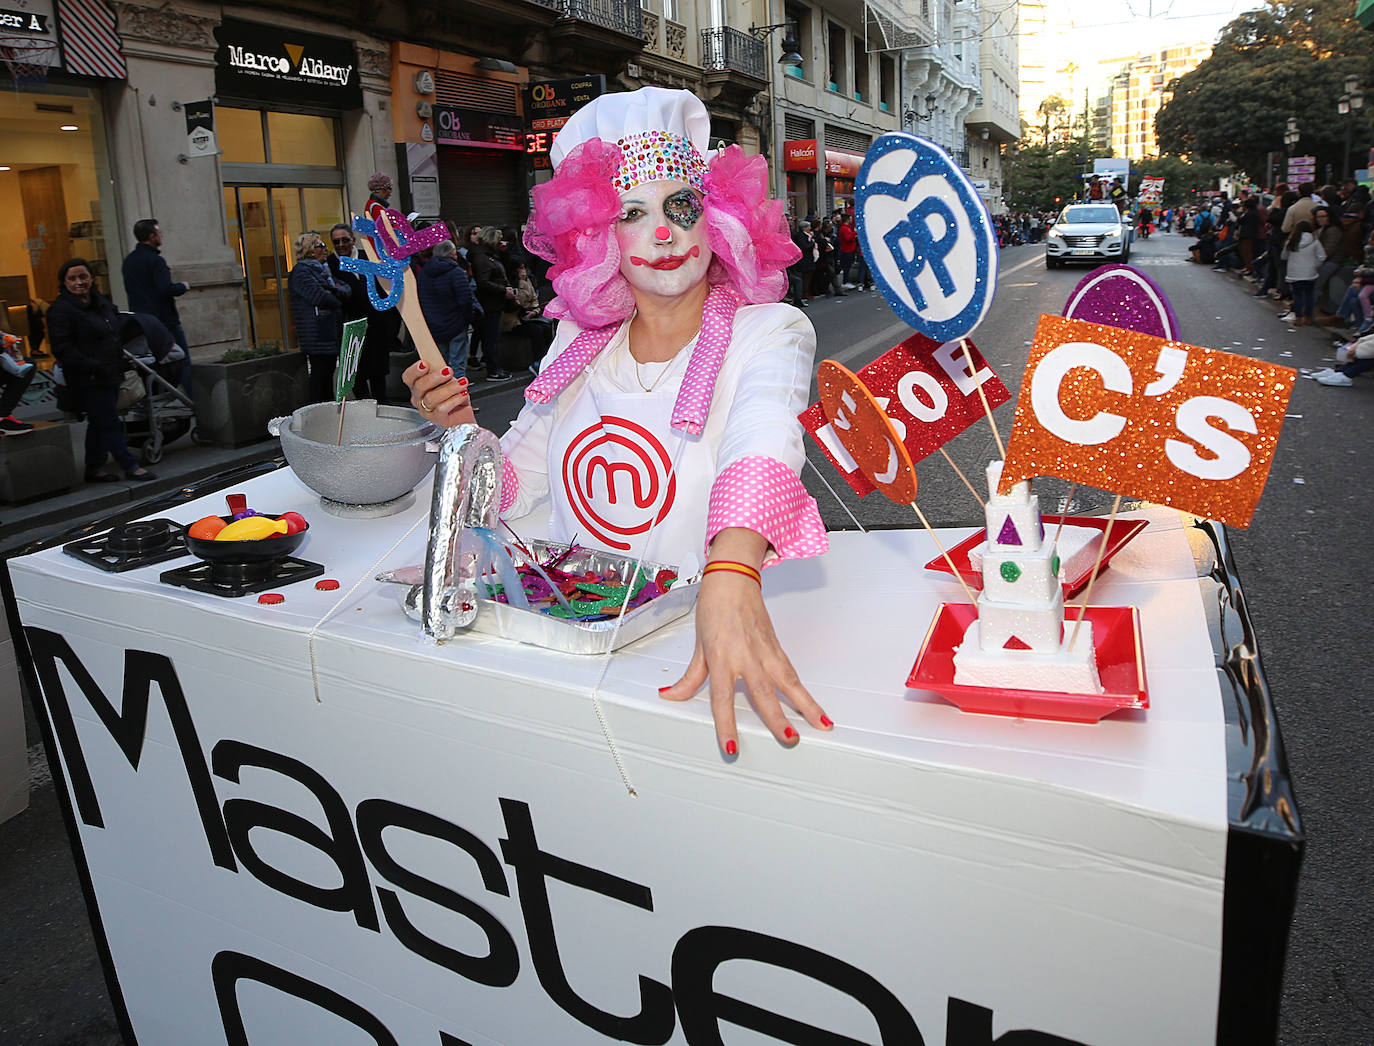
281 178
55 196
240 135
263 226
299 139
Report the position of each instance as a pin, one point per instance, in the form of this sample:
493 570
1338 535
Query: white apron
625 480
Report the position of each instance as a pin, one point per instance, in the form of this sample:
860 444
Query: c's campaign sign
1171 423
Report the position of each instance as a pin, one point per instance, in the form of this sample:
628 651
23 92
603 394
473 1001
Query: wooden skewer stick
960 473
1064 515
1083 608
953 569
968 358
338 441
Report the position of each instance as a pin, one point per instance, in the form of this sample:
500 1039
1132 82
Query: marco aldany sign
286 65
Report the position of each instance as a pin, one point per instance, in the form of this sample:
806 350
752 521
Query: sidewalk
183 463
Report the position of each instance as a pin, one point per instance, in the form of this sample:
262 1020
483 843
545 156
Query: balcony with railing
600 29
664 37
736 64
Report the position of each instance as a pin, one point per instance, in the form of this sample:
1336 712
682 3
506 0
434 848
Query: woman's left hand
736 641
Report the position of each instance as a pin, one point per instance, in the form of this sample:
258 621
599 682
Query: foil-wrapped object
467 493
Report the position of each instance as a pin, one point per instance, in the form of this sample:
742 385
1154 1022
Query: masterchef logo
619 480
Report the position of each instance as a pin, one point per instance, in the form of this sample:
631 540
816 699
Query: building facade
241 126
1140 90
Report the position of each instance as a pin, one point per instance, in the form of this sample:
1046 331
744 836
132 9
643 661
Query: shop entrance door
264 224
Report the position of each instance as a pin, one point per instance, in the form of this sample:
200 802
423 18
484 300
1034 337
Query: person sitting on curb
1359 357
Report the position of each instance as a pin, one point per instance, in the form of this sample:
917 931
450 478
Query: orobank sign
266 63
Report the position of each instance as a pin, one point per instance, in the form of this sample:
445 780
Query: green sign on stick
350 352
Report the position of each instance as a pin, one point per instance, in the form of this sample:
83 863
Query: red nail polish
664 689
789 733
462 381
445 372
825 722
731 748
422 365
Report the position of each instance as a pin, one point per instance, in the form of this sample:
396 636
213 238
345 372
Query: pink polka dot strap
765 496
699 383
571 362
693 402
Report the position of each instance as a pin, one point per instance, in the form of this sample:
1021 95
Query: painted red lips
669 263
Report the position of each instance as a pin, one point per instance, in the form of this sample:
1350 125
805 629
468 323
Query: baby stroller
155 411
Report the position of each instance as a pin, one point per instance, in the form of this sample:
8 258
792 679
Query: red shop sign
799 154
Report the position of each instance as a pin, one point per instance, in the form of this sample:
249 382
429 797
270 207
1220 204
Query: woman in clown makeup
663 423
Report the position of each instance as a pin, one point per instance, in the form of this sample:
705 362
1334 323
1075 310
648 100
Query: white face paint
655 265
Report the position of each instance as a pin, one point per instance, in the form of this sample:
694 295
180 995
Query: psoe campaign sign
926 235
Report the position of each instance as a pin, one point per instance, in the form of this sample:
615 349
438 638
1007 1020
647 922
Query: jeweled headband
654 156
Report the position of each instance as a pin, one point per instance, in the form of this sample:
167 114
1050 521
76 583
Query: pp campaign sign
926 235
350 352
927 390
1161 420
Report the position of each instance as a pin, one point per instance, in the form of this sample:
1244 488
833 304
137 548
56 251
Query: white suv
1090 232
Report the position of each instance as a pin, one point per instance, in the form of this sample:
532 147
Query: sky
1109 28
1147 24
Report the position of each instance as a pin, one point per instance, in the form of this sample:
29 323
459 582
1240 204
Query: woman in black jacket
494 292
317 311
83 330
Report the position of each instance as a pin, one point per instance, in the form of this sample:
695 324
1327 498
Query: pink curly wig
573 226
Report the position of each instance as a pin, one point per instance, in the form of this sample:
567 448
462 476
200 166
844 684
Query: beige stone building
1140 90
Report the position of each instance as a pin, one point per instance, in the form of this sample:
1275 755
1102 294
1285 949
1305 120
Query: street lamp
790 44
910 116
1348 105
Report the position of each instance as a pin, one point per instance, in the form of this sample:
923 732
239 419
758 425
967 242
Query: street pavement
1304 580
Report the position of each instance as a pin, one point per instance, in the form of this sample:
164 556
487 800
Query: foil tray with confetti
593 584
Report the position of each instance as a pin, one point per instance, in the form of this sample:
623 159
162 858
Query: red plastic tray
1123 530
1120 666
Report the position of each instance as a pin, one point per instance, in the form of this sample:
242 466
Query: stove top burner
240 579
131 545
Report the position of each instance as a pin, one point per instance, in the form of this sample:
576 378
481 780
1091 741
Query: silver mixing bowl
384 452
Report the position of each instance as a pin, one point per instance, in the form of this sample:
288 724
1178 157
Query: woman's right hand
439 396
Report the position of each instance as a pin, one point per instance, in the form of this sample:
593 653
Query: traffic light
1056 199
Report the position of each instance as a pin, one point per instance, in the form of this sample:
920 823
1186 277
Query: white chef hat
663 134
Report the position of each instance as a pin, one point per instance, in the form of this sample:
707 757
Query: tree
1288 59
1037 174
1051 112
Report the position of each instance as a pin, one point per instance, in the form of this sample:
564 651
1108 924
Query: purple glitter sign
1122 296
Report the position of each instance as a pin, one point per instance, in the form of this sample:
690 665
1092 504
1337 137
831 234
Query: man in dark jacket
148 284
382 326
446 300
799 272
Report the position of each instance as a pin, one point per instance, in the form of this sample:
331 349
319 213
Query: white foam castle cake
1019 641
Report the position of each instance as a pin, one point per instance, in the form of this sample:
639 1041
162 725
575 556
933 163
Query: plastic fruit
251 528
294 521
206 528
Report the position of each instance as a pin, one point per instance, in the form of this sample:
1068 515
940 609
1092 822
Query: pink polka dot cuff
765 496
510 485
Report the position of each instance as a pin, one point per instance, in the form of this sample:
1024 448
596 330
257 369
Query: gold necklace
640 381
